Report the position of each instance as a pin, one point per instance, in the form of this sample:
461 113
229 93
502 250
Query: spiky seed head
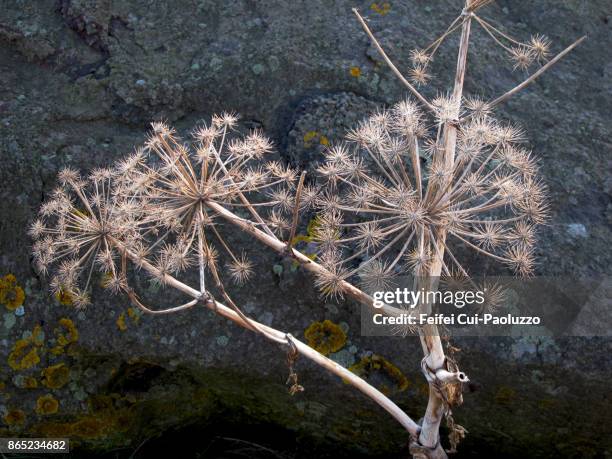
240 269
447 108
490 235
419 75
376 276
523 234
522 56
419 57
455 280
478 107
330 280
540 47
495 297
369 235
418 260
225 120
520 260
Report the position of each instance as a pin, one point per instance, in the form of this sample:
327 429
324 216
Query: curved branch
278 336
307 263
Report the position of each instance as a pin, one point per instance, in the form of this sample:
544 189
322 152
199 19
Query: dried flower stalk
158 209
455 169
162 208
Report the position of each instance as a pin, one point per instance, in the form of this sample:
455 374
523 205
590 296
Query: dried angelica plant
159 209
176 183
489 199
480 189
75 233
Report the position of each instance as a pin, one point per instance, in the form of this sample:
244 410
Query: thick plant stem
276 336
307 263
429 436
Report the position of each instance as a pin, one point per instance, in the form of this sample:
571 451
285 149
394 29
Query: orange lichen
72 335
14 417
24 355
88 427
325 337
133 314
382 8
47 404
100 403
309 136
65 335
355 72
54 429
38 336
505 395
29 382
312 137
56 376
121 325
11 295
382 373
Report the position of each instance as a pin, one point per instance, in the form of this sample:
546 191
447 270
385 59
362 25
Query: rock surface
80 80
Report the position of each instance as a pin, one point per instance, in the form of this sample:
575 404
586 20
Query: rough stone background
79 82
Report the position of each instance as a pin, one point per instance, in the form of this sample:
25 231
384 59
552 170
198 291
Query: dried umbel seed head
395 213
540 46
75 233
180 186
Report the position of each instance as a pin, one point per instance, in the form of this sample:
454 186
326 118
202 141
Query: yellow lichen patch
121 325
355 71
37 337
65 335
133 314
100 403
24 355
56 376
382 373
325 337
312 137
47 404
11 295
122 320
505 395
54 429
88 427
14 417
29 382
381 8
64 297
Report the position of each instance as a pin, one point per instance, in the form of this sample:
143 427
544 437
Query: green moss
325 337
